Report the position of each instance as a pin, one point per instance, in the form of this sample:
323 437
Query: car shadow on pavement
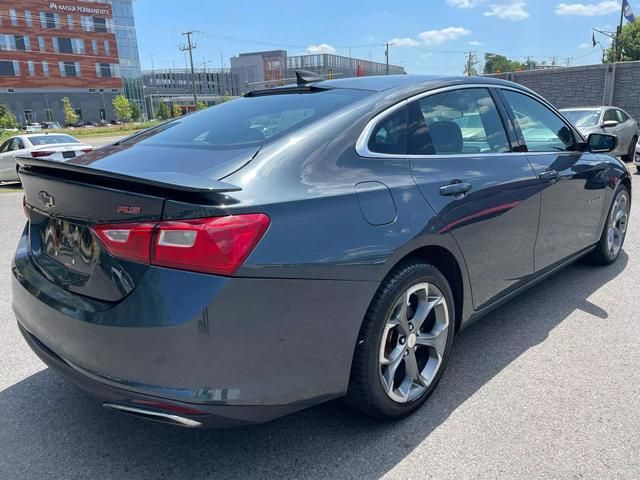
48 430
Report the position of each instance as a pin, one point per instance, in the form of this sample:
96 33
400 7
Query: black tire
366 392
631 152
602 254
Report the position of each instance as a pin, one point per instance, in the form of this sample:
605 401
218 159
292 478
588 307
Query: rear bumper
218 416
240 349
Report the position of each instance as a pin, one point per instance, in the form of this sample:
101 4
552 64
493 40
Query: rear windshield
51 140
582 118
250 121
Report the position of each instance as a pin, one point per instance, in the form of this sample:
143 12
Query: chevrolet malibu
305 243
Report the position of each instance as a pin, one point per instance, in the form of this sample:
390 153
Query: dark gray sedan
305 243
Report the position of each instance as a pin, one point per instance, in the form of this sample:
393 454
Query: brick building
80 49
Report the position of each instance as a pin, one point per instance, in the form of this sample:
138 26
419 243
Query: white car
57 147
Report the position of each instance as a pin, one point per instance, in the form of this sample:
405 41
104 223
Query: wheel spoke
411 366
424 309
399 317
436 339
390 371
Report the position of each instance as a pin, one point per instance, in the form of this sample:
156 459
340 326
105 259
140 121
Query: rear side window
454 122
51 140
622 117
251 121
542 129
390 136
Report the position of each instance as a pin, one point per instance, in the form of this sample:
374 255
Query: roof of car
578 109
379 83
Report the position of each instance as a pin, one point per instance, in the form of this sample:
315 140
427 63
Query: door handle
456 188
548 175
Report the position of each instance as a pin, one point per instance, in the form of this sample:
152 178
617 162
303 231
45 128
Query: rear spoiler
180 182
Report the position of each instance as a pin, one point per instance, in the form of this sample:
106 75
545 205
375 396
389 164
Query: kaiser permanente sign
62 7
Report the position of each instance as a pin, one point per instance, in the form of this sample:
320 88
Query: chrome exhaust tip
154 415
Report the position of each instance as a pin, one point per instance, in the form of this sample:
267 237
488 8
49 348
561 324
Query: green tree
136 112
7 118
122 108
177 111
70 115
629 41
494 63
163 112
202 105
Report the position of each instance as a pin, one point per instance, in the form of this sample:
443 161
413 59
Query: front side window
390 135
455 122
542 129
610 116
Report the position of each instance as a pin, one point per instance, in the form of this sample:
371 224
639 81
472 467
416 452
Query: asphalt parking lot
547 386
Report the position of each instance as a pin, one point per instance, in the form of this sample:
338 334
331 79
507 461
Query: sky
427 36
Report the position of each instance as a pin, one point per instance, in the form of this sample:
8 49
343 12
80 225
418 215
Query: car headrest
446 136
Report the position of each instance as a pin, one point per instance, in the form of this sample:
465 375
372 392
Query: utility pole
189 47
386 55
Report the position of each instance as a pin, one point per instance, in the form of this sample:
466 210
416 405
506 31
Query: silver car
612 120
57 146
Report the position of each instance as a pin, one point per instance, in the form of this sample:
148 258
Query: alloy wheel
413 342
618 222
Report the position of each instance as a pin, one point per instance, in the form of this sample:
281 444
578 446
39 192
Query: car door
610 115
8 152
627 129
572 181
485 194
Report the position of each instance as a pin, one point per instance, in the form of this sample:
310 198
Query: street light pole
189 47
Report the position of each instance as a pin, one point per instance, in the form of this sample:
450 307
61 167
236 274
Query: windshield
51 140
582 118
250 121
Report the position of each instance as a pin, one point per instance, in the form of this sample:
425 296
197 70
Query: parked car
637 159
33 127
612 120
205 272
57 147
51 125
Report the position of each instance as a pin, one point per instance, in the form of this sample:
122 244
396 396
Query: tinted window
390 136
5 146
610 116
51 140
459 121
542 129
251 120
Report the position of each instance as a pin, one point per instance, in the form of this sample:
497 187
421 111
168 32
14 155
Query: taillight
131 241
41 153
211 245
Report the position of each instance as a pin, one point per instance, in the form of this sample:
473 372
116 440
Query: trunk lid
64 200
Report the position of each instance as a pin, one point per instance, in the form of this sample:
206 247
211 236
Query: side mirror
609 124
602 143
